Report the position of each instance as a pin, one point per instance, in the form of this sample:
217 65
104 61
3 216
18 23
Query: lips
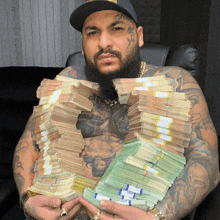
107 57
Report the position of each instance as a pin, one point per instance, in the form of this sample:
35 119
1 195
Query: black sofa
18 87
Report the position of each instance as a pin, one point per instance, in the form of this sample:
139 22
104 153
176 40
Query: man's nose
105 40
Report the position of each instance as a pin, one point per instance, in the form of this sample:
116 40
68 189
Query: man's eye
118 28
92 33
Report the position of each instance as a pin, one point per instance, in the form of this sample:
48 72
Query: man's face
109 40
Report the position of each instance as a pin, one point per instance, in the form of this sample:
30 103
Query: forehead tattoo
120 16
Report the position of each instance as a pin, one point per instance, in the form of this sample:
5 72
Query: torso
105 128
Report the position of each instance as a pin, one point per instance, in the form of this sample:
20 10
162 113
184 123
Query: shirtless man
111 41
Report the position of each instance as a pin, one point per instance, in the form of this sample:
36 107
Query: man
111 41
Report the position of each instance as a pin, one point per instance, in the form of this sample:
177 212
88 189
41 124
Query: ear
140 36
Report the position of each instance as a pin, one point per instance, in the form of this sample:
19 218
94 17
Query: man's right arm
26 153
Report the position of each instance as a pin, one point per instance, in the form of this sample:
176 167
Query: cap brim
78 16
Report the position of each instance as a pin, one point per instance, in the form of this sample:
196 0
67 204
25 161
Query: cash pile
58 170
153 157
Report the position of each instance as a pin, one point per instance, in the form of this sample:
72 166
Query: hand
49 208
121 212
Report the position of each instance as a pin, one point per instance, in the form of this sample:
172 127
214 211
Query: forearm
198 178
25 155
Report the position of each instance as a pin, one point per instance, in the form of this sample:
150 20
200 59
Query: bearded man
111 40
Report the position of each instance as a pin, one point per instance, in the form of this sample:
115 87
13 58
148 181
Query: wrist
23 199
157 213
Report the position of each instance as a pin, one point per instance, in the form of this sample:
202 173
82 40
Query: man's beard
130 69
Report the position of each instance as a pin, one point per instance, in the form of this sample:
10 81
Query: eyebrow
91 27
116 22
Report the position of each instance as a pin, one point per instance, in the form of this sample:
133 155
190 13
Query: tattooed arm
25 155
201 173
40 206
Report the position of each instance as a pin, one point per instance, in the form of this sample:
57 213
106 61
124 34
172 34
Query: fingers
124 211
46 201
72 207
93 210
71 204
74 211
113 207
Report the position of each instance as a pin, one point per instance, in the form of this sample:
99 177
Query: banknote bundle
58 170
140 176
157 112
153 157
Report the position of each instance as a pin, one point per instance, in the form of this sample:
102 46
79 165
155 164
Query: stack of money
126 85
153 157
140 176
58 170
157 112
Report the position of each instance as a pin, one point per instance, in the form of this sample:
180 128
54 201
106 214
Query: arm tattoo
22 145
19 179
17 163
200 174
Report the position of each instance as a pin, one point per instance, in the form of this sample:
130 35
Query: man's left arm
201 173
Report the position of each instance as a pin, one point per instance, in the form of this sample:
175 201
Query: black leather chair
154 54
185 56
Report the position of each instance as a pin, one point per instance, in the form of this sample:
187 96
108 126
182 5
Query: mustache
110 51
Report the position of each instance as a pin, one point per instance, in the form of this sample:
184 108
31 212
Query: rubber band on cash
162 94
56 95
144 79
163 130
151 170
165 137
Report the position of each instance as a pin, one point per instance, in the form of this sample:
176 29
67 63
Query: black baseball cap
78 16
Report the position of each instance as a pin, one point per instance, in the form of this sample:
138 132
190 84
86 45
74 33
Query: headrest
186 57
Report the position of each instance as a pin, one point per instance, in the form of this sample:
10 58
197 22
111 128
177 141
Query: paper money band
51 186
100 197
147 84
162 94
42 127
48 170
47 159
142 88
134 189
126 202
55 96
163 130
45 139
45 149
46 106
158 160
164 122
165 137
144 79
127 194
151 170
159 141
44 133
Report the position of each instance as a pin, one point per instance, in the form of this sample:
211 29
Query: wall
149 14
37 32
212 79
